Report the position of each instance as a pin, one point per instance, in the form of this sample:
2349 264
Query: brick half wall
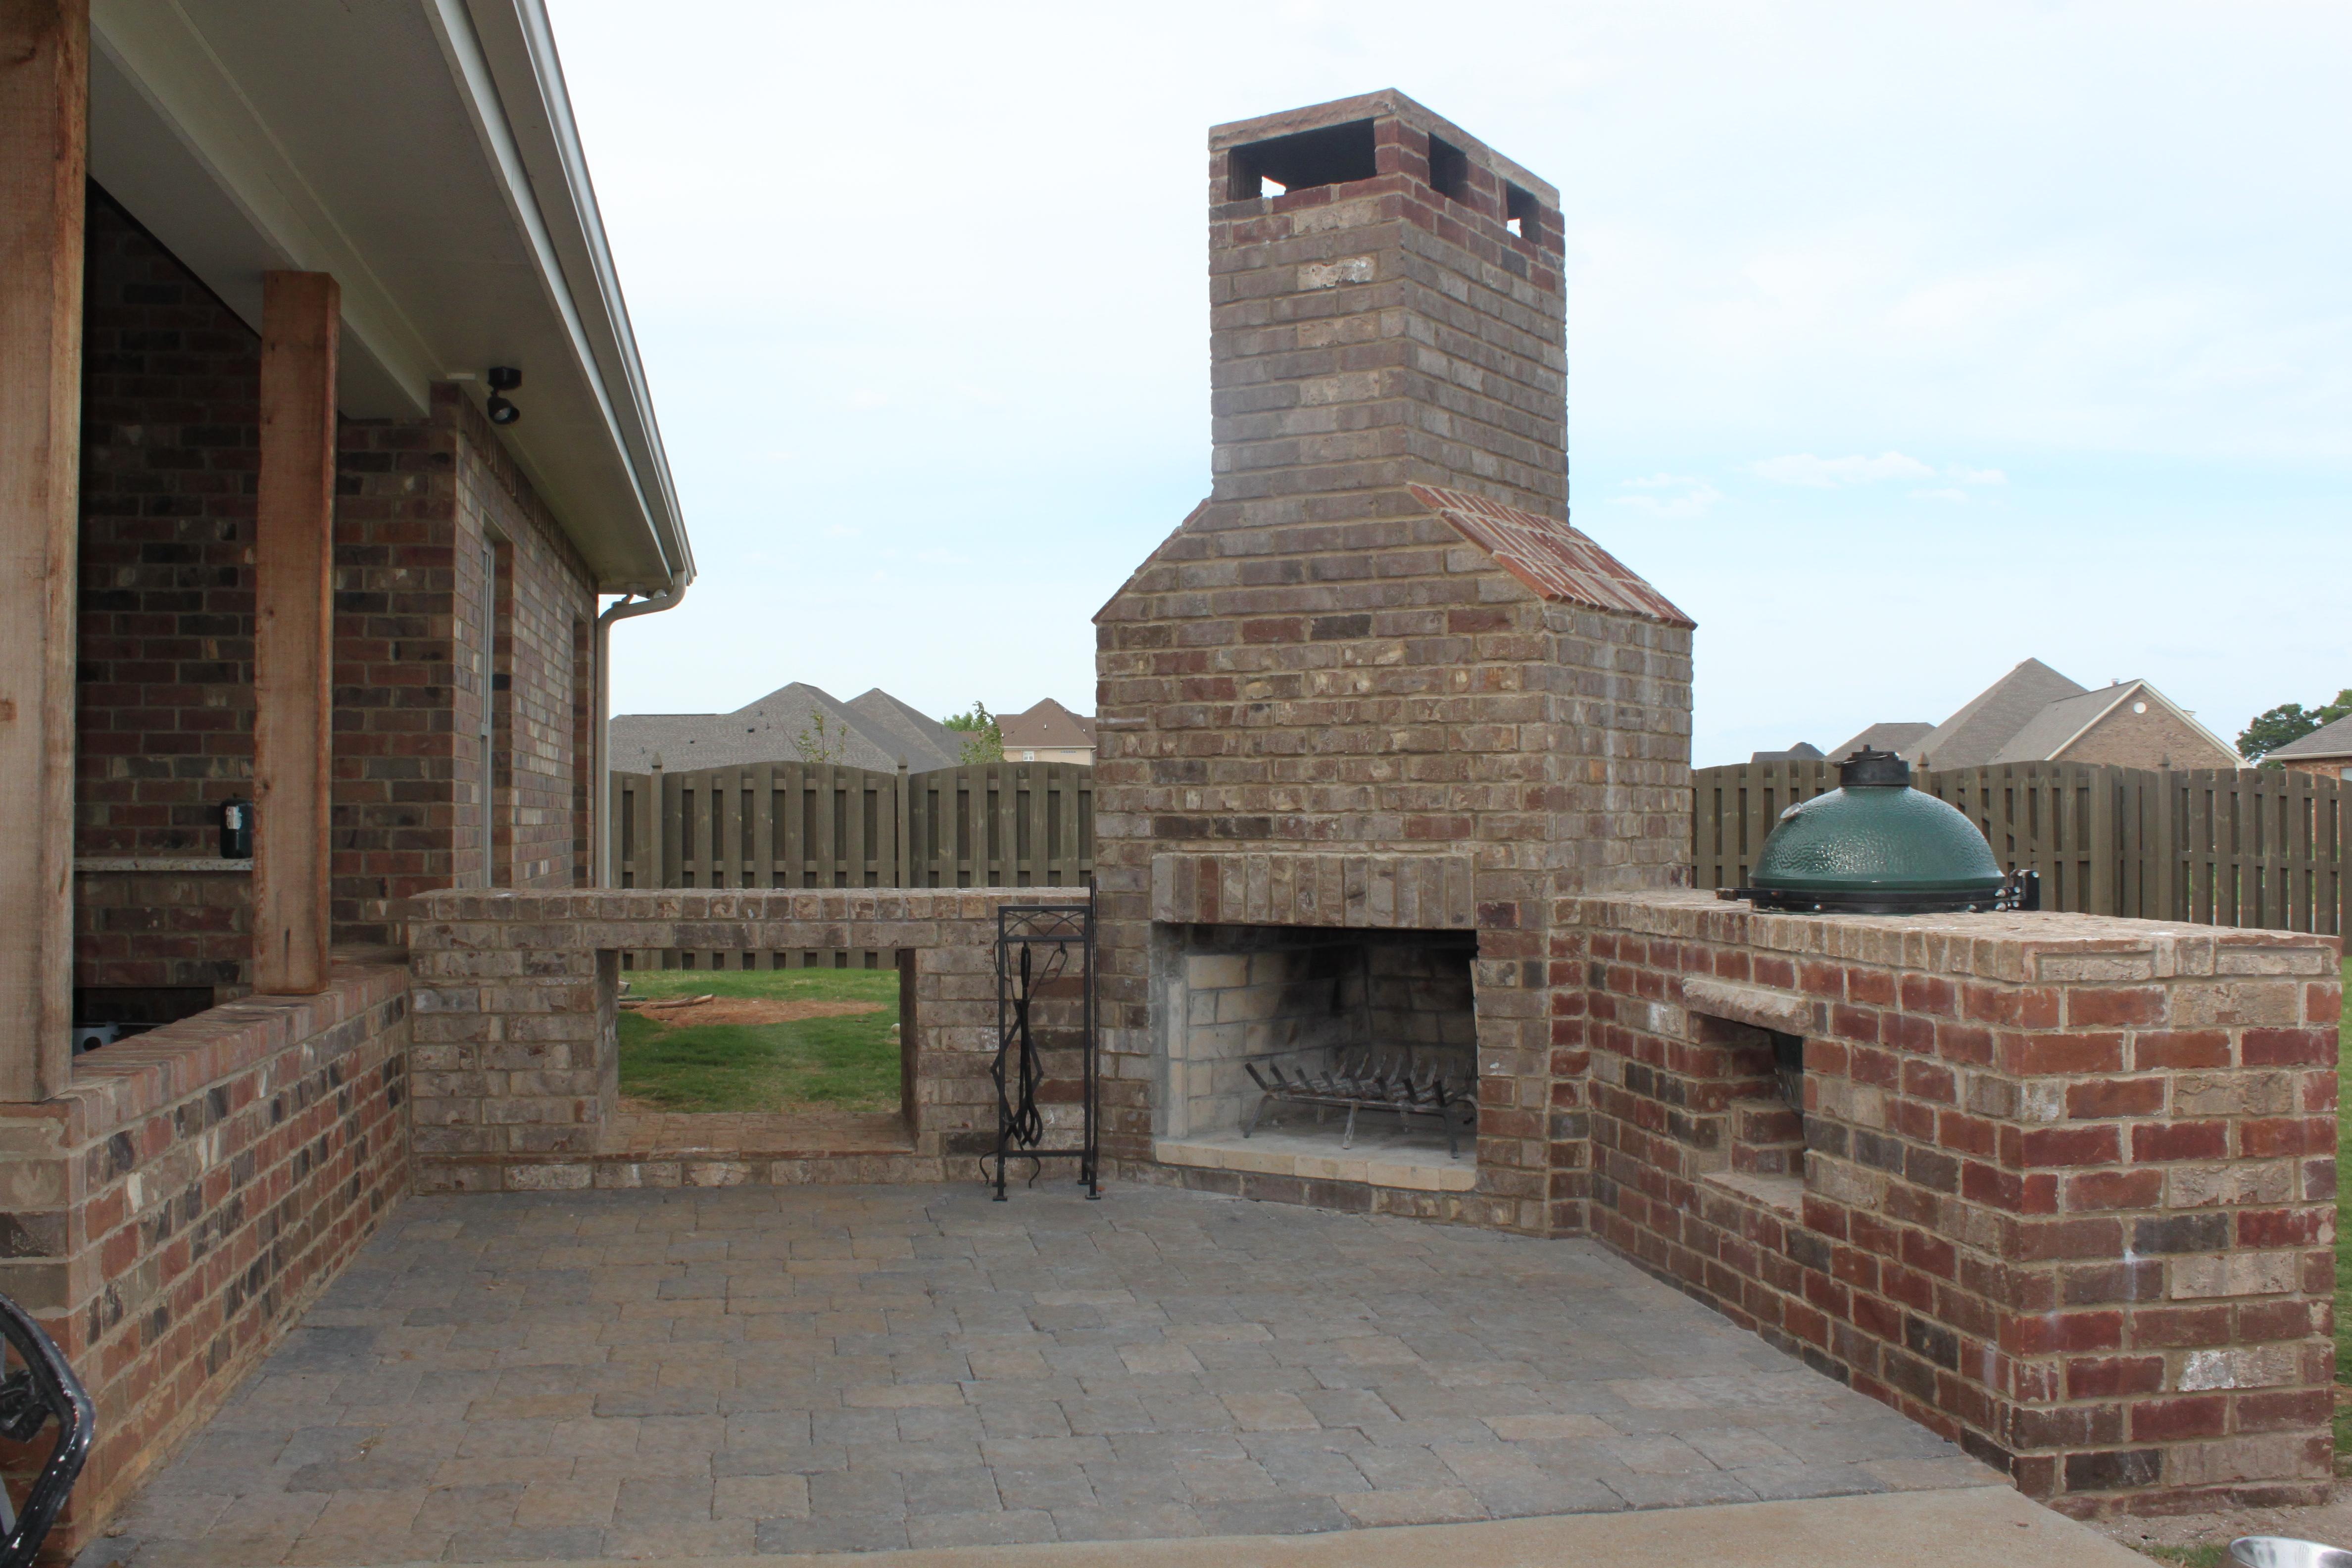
2068 1193
171 1215
517 1060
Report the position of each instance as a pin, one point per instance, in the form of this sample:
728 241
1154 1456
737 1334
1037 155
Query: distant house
2327 751
793 724
1803 752
1899 735
1048 732
2034 714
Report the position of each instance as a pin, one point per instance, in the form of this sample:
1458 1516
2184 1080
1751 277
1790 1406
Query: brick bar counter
2067 1189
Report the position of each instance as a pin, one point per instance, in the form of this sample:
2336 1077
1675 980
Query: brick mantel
1409 892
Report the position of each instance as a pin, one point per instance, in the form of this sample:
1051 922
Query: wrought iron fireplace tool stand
39 1388
1034 946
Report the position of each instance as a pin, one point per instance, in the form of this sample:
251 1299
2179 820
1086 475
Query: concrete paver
695 1375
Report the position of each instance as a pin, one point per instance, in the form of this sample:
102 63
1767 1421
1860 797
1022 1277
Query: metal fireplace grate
1370 1081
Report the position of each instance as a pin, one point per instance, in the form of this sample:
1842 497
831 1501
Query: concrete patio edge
1990 1526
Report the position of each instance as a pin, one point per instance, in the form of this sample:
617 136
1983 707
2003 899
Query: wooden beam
293 631
44 121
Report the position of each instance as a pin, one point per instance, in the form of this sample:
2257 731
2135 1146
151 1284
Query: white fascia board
514 143
164 60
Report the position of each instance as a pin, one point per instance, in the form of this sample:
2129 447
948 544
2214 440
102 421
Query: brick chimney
1393 315
1374 707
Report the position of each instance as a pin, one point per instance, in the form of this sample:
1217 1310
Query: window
485 735
1330 156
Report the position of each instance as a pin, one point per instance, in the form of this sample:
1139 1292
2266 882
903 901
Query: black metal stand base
1034 946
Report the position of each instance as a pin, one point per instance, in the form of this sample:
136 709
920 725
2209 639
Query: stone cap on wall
1404 892
117 1086
2042 947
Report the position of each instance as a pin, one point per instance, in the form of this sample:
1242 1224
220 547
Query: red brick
2171 1420
2087 1006
2153 1142
2157 1050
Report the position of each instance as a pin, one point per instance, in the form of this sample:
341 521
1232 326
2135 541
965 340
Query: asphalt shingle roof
873 730
1992 719
2329 740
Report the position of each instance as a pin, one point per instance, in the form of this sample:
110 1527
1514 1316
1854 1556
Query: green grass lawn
848 1063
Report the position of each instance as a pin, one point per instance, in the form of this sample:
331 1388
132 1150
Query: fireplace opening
1347 1055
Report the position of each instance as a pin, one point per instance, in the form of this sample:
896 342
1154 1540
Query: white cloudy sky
1904 341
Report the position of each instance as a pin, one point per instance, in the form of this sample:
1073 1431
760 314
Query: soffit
373 141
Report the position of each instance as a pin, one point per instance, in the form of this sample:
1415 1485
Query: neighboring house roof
874 731
1046 726
2329 740
1803 752
1901 736
424 155
1551 558
1973 736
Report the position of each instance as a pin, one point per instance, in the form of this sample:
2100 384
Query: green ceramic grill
1876 846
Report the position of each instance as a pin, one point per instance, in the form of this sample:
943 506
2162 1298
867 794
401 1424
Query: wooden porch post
293 631
44 118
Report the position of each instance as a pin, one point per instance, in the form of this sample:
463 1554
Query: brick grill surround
2068 1193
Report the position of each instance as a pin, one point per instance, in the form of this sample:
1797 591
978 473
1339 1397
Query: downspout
600 816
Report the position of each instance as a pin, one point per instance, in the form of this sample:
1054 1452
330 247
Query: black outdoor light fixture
504 378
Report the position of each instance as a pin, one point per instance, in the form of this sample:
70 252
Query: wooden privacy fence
2256 846
819 824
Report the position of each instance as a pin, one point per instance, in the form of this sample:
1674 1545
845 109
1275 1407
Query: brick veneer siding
173 1211
516 1058
164 727
2155 739
2068 1193
164 722
415 503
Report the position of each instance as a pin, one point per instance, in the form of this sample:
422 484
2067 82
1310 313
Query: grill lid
1874 844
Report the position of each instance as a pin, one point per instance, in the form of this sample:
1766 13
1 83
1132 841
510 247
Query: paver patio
740 1369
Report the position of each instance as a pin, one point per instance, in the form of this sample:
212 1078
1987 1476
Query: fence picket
820 824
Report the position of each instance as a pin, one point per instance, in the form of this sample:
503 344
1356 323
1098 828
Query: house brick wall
171 454
164 723
2155 739
2068 1188
414 505
168 1217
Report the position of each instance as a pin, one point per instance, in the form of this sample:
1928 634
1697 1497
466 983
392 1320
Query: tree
983 742
817 743
2289 721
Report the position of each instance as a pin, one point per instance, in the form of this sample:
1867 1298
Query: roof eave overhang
180 138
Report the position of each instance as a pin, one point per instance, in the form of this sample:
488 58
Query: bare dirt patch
751 1010
2329 1523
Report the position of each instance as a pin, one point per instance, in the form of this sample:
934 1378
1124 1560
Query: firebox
1297 1051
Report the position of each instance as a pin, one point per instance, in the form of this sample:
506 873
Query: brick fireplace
1387 750
1375 702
